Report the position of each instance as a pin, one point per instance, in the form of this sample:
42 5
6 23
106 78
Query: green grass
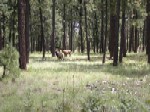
77 85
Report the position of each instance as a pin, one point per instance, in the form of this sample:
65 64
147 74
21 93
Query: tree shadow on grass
80 64
70 59
131 70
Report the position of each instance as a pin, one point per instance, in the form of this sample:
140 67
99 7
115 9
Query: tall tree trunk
71 32
3 28
21 31
127 36
115 61
42 31
112 28
1 38
80 32
27 30
64 26
102 29
144 35
10 28
125 43
13 27
112 35
94 35
136 33
31 43
37 43
131 38
136 40
105 46
147 29
53 29
97 37
123 38
86 30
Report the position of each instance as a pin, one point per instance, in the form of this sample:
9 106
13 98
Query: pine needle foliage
9 60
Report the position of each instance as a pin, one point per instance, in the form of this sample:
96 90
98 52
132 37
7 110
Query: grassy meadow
77 85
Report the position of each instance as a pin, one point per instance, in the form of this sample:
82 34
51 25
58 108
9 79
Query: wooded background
91 26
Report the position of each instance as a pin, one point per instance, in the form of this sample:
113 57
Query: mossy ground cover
77 85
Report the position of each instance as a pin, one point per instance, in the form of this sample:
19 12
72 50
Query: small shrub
92 103
132 104
9 60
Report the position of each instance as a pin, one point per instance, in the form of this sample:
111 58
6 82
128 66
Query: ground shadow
95 65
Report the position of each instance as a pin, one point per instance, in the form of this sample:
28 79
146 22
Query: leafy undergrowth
77 85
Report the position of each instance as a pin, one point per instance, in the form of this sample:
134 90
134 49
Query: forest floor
77 85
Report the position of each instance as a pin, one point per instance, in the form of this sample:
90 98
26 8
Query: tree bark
13 27
53 29
115 61
131 38
112 35
42 31
27 30
3 28
136 33
112 28
127 36
64 27
105 43
136 40
21 32
86 27
95 34
147 29
10 28
123 38
71 32
102 29
1 38
80 32
144 35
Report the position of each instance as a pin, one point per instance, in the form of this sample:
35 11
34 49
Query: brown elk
66 52
59 55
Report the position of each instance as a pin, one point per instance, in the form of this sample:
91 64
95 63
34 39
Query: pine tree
86 27
147 29
115 61
27 29
1 38
21 32
53 29
9 60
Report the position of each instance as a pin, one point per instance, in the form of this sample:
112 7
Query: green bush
9 60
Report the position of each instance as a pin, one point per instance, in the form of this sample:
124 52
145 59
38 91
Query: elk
59 55
66 52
